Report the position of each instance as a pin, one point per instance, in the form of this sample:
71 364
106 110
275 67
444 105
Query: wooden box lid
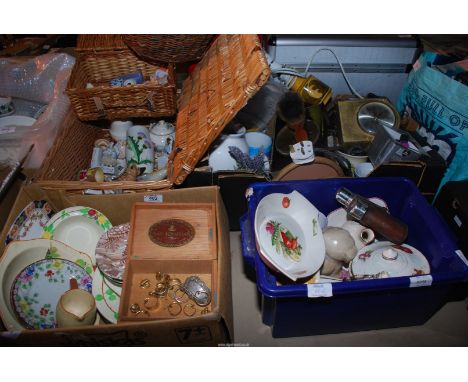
173 231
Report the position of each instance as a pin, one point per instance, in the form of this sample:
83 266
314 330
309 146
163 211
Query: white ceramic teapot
162 134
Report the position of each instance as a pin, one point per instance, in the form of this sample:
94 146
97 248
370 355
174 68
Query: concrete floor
448 327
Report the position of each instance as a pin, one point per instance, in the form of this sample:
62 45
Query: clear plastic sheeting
37 86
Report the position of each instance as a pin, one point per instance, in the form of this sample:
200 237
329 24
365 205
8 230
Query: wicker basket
230 73
173 48
103 101
99 43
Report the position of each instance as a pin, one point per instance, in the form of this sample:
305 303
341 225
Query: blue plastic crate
364 304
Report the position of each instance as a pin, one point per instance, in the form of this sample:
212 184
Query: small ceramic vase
362 236
162 134
118 130
140 149
339 244
220 159
76 307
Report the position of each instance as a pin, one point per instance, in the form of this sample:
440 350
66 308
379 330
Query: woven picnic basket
233 69
95 43
173 48
103 101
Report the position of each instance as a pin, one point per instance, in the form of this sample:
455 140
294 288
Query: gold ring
205 311
145 283
174 282
177 298
135 308
162 277
192 311
170 308
149 306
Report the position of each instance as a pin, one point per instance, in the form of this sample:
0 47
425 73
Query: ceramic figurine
130 173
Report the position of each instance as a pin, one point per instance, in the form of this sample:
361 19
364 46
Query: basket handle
99 107
248 241
149 101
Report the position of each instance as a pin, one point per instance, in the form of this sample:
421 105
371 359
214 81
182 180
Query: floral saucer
38 287
111 252
79 227
30 223
107 300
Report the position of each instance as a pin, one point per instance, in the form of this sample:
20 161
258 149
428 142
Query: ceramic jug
140 150
76 307
362 236
220 159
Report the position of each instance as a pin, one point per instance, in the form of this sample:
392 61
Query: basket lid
87 43
232 71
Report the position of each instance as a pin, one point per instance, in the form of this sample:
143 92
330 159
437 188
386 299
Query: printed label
319 290
461 255
419 281
153 198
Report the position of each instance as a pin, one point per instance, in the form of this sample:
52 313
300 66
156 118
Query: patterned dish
30 222
289 234
111 252
386 259
107 300
38 287
79 227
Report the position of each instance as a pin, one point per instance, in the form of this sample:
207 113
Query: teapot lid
162 128
387 258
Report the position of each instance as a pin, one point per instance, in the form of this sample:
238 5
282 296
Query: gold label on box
171 233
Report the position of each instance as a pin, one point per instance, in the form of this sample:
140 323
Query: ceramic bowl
79 227
289 235
18 255
386 259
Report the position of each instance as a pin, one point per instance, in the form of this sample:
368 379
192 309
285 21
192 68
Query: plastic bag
34 82
439 105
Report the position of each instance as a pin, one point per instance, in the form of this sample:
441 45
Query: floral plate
30 223
107 300
288 232
79 227
18 255
38 287
111 252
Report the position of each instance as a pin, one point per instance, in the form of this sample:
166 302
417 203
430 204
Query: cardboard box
207 330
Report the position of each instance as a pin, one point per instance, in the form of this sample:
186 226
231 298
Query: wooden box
177 239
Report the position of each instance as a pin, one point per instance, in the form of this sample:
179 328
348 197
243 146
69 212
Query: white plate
30 222
18 255
79 227
289 235
107 300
